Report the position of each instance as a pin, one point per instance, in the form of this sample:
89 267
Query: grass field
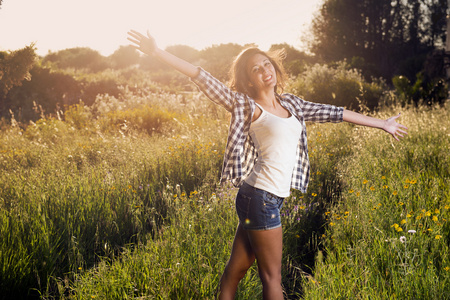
124 204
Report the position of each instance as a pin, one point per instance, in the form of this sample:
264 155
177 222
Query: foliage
385 33
422 90
14 68
72 191
124 57
295 61
337 85
217 59
92 211
388 237
77 58
47 89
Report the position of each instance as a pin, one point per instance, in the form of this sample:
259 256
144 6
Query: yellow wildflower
365 181
403 222
436 211
394 193
435 219
438 237
351 191
383 177
372 188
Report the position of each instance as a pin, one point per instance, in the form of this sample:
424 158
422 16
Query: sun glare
102 25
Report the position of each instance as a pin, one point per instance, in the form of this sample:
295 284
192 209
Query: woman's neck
267 98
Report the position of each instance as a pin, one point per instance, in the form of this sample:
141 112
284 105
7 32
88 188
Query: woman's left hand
395 129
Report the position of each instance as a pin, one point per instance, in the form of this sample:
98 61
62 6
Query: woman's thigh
268 248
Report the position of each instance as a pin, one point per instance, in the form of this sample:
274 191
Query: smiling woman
54 25
266 153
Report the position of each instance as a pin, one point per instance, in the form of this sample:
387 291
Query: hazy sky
103 24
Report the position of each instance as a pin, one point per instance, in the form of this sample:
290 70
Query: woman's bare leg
264 245
268 248
241 259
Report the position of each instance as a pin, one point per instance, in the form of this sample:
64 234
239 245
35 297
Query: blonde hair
239 79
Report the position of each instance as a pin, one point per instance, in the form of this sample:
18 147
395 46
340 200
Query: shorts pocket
271 200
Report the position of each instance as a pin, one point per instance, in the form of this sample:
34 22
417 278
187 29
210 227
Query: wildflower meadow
121 200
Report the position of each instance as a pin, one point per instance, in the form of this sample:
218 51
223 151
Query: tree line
384 38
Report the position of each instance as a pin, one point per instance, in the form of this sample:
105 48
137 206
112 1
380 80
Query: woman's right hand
143 43
148 45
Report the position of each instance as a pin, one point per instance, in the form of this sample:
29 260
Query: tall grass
97 206
73 191
388 237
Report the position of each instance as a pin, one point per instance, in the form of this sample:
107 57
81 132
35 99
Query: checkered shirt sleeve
240 152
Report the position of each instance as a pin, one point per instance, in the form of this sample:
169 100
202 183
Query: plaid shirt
240 153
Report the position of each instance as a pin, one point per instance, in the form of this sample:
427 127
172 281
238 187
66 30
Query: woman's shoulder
291 98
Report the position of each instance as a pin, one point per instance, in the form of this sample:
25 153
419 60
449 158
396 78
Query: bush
78 58
146 118
338 86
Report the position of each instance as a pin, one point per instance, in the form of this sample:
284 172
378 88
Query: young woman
266 153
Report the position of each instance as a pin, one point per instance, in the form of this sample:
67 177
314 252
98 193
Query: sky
102 25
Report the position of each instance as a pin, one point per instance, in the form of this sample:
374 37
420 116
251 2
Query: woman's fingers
136 34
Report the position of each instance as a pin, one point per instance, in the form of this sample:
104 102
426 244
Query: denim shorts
258 209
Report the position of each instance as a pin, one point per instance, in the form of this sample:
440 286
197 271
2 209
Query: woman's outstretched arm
390 125
147 45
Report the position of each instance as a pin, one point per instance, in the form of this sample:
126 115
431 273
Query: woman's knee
235 272
270 277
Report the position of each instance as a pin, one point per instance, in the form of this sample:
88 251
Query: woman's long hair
239 79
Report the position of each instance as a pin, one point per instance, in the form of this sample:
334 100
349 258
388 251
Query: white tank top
275 140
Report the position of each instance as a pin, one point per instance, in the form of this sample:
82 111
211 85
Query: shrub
337 85
146 118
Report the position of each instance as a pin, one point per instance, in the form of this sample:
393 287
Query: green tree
217 59
78 58
124 57
295 61
15 67
385 33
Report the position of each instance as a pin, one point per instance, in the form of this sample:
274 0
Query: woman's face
261 72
